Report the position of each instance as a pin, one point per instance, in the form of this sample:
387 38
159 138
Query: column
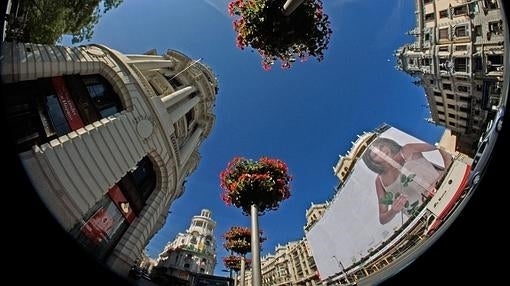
176 96
178 113
190 145
151 64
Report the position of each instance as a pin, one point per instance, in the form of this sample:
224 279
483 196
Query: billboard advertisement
392 179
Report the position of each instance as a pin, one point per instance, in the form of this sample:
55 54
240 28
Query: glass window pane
57 115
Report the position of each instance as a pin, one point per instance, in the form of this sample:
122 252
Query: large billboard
394 177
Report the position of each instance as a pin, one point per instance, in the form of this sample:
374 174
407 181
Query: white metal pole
255 247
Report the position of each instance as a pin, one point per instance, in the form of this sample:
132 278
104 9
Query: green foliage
48 20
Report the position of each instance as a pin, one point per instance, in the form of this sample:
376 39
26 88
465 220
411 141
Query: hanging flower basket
238 239
234 262
262 25
264 183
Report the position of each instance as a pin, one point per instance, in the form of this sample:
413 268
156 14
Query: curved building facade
107 139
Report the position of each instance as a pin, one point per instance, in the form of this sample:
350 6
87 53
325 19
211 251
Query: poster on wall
389 183
101 226
122 203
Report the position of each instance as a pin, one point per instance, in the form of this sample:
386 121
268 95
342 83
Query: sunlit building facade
193 250
458 59
106 138
314 214
343 167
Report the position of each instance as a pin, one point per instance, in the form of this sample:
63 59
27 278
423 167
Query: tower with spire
194 250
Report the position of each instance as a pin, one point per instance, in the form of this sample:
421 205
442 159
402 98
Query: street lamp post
340 265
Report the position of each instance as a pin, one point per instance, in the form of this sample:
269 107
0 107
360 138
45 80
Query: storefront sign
68 106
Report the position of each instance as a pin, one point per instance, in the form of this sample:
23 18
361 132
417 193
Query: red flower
262 26
264 183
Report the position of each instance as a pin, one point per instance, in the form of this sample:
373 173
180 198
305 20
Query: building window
439 103
463 88
473 8
138 184
451 106
450 96
427 1
491 4
447 86
440 112
443 64
174 82
464 109
443 14
36 113
190 116
451 124
459 48
429 17
478 30
464 98
496 27
460 10
444 48
437 93
463 118
101 229
461 31
442 121
104 99
444 34
186 265
461 65
494 63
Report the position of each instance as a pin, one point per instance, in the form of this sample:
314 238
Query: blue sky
306 116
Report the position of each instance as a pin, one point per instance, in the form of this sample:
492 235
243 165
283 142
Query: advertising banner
121 202
102 225
392 179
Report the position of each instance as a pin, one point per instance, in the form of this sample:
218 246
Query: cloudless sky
306 116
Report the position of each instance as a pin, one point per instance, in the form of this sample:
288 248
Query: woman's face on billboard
380 154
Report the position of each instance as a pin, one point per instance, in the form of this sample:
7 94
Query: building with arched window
107 139
193 251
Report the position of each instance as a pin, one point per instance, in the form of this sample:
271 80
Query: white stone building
292 263
314 214
107 139
194 250
458 59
